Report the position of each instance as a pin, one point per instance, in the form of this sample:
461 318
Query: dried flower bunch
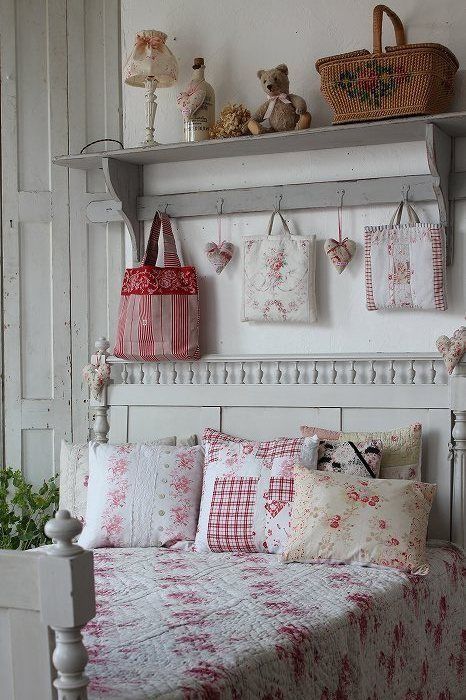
232 122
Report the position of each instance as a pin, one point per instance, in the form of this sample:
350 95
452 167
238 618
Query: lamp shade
150 58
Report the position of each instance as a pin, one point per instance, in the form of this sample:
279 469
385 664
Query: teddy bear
285 112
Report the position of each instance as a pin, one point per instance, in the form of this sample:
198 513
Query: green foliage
24 510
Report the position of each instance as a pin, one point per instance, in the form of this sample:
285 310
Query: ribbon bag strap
412 214
170 253
285 225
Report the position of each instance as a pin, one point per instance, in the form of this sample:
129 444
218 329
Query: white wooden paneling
24 639
35 234
48 48
152 422
97 251
269 423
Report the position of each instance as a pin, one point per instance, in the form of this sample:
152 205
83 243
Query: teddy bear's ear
282 68
260 73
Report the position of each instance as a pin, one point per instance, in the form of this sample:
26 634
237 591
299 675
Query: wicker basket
406 79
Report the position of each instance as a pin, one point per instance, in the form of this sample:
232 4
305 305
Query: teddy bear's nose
269 86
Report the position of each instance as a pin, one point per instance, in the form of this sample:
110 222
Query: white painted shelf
123 170
341 136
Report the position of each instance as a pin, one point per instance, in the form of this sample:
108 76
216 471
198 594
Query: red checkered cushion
231 515
247 492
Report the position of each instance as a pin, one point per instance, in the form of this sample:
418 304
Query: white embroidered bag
279 276
405 264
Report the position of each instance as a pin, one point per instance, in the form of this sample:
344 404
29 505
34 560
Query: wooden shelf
124 173
342 136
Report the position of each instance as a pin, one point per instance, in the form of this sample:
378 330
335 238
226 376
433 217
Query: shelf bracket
439 158
124 182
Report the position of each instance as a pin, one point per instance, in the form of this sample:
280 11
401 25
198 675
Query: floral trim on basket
372 82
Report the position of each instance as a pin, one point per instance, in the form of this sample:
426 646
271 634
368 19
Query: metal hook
166 207
404 192
278 200
220 206
342 194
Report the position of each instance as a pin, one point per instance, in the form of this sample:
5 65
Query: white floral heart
96 377
219 255
340 253
452 349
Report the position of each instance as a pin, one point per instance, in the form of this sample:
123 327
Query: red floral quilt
189 626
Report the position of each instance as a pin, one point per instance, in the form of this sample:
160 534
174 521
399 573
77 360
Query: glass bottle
197 126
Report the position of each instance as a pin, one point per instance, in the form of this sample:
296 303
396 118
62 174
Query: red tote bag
159 308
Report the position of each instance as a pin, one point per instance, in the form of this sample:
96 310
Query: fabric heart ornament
452 349
339 252
275 507
192 98
96 377
219 254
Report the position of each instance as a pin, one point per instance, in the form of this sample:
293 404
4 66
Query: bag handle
285 225
170 253
412 214
377 19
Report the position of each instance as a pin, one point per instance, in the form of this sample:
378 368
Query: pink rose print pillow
142 495
348 519
248 490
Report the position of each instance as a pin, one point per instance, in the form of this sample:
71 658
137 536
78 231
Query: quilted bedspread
182 625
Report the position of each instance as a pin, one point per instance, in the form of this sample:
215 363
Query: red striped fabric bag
405 264
159 308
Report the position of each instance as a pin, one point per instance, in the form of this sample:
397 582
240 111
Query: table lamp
150 65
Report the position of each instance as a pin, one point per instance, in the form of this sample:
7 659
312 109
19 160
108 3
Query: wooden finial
102 345
63 529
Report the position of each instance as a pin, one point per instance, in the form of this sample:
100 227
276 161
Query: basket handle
377 27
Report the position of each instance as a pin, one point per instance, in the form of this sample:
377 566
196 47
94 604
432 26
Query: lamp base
148 144
150 85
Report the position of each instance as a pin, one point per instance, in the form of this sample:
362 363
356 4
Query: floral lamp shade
150 58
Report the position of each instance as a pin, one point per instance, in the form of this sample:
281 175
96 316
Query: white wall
236 38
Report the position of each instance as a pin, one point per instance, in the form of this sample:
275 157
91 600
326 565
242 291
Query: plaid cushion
282 447
230 527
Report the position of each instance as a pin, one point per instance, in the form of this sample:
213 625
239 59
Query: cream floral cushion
402 448
349 519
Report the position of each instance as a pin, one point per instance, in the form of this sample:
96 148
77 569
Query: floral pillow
248 491
358 459
402 448
348 519
142 495
74 472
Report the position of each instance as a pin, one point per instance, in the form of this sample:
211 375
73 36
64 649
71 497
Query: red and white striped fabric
405 265
247 491
159 308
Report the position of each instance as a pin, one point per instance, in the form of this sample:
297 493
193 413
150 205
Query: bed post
66 577
458 407
100 425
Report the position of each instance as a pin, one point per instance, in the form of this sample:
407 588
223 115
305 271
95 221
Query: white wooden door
60 88
35 233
